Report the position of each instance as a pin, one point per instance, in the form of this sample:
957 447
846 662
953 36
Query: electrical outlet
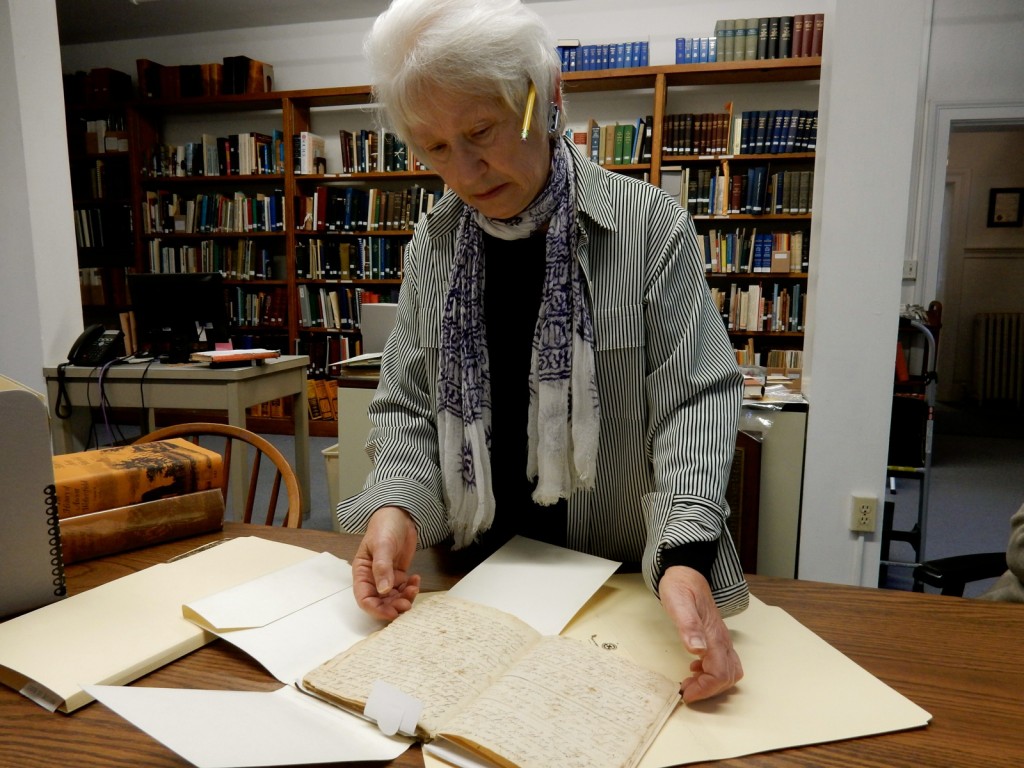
864 513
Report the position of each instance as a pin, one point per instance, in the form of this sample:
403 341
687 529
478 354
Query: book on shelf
190 80
484 685
785 50
730 35
720 40
242 74
750 40
817 32
310 152
95 534
648 143
105 478
773 39
763 38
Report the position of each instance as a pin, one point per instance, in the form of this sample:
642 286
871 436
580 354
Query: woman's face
476 147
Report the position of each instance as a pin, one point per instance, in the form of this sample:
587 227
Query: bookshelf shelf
255 178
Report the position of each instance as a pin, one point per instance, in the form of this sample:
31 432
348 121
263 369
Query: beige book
494 688
96 534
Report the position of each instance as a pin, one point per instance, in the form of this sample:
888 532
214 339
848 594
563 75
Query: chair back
264 478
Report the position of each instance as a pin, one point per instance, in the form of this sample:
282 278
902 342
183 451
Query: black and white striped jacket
670 390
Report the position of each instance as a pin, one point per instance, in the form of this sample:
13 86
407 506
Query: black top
513 284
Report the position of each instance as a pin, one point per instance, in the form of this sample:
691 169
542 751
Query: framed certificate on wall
1004 207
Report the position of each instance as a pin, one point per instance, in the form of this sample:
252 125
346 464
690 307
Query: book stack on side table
114 499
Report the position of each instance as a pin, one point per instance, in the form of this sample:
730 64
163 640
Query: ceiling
95 21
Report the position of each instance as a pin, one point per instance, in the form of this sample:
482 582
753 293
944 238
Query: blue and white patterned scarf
564 418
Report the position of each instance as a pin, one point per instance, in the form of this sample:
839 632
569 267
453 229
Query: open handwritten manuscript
495 689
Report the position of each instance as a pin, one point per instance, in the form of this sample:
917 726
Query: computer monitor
177 314
376 321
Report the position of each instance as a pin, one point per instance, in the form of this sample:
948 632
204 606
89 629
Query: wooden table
957 658
187 386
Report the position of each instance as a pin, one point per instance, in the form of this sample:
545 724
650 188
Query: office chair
282 472
952 574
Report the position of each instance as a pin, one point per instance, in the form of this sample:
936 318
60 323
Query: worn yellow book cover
106 478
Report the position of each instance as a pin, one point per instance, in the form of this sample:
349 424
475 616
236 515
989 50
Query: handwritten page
495 688
444 652
583 706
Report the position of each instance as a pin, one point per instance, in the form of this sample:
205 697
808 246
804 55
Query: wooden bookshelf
95 106
661 90
678 88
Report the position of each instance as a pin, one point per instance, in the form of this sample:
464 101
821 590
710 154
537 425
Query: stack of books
114 499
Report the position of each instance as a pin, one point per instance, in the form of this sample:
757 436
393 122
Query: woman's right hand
381 581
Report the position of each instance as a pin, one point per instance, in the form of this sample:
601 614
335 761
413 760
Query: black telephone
96 346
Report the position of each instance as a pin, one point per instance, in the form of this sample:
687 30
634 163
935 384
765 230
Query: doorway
982 266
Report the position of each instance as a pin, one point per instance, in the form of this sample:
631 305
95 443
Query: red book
797 43
816 34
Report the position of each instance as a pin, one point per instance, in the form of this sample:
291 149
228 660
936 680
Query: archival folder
31 571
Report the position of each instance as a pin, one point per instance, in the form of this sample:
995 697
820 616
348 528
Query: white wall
868 174
40 309
861 207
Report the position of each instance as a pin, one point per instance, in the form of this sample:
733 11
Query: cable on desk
144 426
106 407
62 408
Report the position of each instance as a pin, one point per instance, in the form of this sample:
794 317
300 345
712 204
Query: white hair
464 48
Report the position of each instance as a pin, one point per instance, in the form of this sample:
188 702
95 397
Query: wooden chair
231 435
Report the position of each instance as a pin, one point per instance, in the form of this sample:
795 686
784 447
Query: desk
954 657
188 386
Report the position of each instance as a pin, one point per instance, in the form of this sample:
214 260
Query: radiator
999 357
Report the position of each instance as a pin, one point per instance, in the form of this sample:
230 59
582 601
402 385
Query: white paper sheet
228 729
542 584
289 621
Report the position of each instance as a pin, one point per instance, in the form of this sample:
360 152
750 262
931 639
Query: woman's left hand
686 597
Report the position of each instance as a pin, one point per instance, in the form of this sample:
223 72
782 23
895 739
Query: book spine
116 530
785 37
762 32
773 38
817 32
797 41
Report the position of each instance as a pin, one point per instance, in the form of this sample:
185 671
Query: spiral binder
60 588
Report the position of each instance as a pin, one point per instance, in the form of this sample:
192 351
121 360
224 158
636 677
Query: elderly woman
557 369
